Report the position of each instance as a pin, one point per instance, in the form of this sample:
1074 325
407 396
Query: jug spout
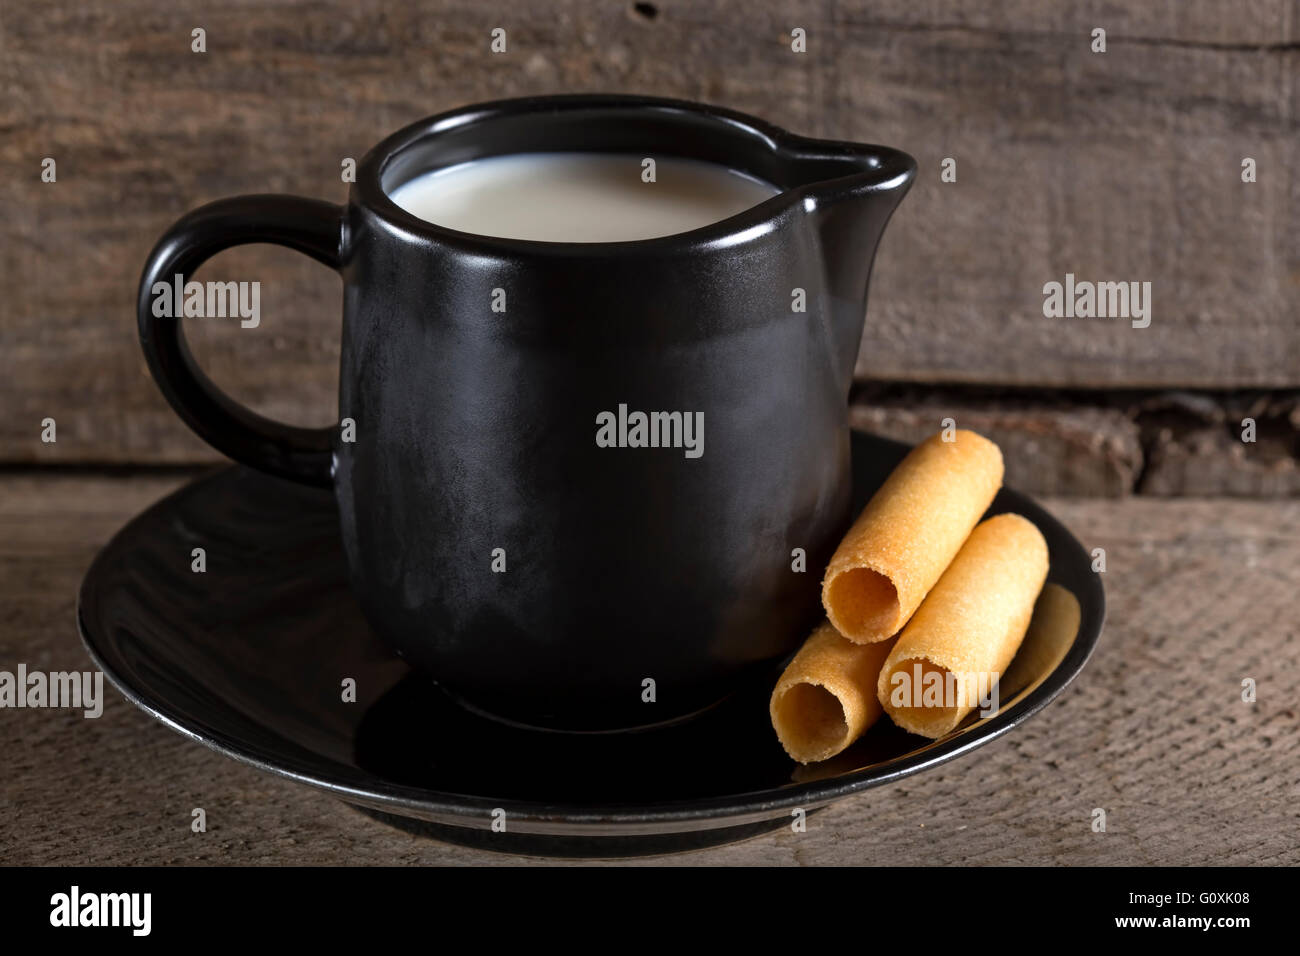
849 194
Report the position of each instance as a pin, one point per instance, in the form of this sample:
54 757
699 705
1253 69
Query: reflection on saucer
1050 636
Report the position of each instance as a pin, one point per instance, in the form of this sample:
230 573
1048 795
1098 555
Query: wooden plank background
1122 165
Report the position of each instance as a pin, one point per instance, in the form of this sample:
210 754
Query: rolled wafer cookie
962 637
908 534
826 697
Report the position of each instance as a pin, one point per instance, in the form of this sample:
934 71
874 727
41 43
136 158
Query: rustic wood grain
1123 165
1201 595
1215 461
1049 447
1195 445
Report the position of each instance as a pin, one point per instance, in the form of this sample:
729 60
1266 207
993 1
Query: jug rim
862 168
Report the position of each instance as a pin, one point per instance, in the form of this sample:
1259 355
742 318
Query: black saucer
250 658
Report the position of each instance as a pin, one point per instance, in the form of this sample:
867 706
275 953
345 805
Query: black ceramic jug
535 570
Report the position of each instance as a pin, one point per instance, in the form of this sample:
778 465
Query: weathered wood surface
1048 448
1196 447
1213 461
1112 444
1201 595
1121 166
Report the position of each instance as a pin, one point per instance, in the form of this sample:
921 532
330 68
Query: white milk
579 197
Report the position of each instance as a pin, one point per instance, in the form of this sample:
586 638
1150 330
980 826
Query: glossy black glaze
475 429
307 225
249 658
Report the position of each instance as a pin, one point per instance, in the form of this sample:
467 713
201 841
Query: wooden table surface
1202 594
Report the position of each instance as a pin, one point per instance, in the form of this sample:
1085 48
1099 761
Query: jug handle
310 226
